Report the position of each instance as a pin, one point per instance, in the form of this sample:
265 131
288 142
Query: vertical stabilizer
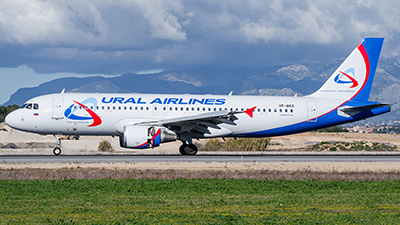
353 79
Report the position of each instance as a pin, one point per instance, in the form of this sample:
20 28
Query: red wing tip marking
250 111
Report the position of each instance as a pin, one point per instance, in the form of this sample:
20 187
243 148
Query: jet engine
137 136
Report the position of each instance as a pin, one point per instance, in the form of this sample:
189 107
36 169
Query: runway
198 158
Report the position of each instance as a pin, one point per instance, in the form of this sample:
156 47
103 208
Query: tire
57 151
182 149
191 149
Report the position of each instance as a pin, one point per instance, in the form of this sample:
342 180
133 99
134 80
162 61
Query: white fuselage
270 112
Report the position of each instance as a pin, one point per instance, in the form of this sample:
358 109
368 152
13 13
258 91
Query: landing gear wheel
182 149
190 149
57 151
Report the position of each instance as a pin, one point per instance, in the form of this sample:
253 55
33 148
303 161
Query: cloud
99 36
52 23
163 23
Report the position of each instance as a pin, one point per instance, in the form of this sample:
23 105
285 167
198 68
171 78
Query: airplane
146 120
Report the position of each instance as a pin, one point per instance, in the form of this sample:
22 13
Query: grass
199 201
240 144
353 146
105 146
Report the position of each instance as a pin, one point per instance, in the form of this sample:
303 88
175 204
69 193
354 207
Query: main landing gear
187 149
57 150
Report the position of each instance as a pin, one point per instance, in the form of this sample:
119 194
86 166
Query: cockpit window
29 106
35 106
24 105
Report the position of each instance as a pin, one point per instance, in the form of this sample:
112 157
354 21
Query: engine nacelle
135 136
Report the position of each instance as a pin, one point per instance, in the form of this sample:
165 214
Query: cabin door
311 112
57 112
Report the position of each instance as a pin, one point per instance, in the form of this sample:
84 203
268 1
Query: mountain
288 80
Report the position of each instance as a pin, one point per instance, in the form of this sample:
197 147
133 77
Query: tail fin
353 79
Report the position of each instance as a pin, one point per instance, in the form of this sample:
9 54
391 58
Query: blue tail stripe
373 48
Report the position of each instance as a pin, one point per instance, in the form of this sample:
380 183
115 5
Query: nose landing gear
57 150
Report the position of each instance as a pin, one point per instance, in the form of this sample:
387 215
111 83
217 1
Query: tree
5 110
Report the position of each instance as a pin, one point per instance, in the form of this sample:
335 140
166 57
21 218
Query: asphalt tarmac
197 158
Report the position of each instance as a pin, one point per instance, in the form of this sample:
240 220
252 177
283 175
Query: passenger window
124 107
291 110
119 107
35 106
285 110
258 110
108 107
141 108
269 110
147 108
170 108
263 110
155 108
136 108
113 107
130 107
102 107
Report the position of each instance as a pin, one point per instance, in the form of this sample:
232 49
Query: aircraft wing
198 123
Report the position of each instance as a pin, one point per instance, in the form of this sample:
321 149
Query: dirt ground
201 170
42 144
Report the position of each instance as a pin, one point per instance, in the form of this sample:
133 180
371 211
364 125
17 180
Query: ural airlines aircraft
146 120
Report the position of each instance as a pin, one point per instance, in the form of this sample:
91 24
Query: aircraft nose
12 119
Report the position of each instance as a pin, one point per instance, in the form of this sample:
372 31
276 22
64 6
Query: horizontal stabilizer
348 111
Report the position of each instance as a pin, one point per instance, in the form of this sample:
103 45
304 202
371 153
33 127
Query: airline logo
165 101
71 111
347 77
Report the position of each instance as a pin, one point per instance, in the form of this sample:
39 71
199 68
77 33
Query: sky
41 40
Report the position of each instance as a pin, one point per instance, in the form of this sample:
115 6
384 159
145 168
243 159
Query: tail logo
347 77
70 111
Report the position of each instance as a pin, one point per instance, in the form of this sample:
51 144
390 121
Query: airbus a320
147 120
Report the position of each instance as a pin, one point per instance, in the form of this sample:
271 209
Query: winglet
250 111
